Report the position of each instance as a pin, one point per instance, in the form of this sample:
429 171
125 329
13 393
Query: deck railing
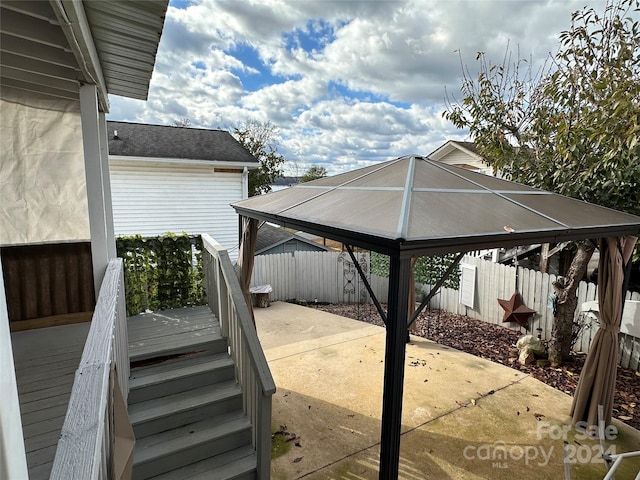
252 371
86 442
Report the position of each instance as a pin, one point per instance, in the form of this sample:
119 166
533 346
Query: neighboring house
174 179
278 240
461 154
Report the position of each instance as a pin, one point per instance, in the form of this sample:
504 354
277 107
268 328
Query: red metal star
515 311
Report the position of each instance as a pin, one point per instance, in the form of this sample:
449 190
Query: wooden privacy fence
330 277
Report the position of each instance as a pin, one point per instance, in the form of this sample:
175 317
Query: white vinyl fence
331 277
316 276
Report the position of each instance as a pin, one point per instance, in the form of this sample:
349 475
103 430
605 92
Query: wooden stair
186 407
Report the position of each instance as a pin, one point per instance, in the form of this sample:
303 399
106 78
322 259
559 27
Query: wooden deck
169 332
46 360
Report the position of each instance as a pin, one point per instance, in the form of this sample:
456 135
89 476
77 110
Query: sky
345 83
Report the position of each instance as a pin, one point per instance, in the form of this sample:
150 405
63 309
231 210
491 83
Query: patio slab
463 417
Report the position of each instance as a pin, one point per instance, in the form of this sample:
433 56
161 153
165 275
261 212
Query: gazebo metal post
398 309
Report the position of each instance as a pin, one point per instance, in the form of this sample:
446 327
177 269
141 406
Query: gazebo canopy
414 206
417 206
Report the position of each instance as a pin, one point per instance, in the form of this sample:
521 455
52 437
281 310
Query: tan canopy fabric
245 258
598 376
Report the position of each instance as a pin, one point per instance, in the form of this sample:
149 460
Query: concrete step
237 464
160 414
174 376
176 448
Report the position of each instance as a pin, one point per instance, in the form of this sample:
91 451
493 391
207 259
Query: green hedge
161 272
427 270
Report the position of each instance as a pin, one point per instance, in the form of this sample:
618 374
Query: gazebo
413 206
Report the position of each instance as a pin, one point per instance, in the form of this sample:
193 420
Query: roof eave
74 24
183 161
457 244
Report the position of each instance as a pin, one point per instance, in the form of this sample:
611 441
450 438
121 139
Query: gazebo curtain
245 258
598 376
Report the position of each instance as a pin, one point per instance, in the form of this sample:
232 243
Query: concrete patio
463 417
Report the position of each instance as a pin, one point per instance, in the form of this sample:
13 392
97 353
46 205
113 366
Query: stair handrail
228 303
85 448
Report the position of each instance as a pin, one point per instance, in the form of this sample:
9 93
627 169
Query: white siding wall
154 199
459 157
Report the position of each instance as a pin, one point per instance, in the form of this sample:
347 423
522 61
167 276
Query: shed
273 239
174 179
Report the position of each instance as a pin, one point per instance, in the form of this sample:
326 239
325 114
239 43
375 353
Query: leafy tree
313 173
427 270
260 139
182 123
572 129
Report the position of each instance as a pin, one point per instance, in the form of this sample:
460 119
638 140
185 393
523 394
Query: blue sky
346 83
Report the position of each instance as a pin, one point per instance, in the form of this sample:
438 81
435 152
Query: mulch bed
493 342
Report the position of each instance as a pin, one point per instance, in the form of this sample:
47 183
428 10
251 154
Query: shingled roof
159 141
270 237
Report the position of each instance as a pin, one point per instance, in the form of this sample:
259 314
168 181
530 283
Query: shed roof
417 206
270 236
158 141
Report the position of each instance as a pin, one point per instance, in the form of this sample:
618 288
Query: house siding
459 157
154 199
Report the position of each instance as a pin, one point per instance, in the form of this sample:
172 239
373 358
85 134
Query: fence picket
311 275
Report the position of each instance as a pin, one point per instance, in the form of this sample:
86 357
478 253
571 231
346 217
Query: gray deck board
46 360
171 331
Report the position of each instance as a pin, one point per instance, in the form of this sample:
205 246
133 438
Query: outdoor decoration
528 348
515 310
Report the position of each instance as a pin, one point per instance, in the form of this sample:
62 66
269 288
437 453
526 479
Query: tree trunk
544 258
567 301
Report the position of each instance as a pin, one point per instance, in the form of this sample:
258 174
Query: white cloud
346 82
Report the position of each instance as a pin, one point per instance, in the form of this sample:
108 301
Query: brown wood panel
44 281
